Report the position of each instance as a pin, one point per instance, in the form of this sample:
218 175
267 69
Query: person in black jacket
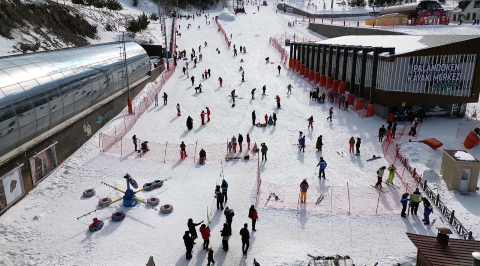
189 123
381 133
229 216
274 119
245 238
188 244
253 117
191 228
225 236
219 196
240 140
357 145
193 80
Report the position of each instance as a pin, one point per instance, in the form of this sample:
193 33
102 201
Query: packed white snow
464 156
226 15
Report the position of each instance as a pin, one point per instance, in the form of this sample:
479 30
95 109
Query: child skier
330 112
310 122
380 172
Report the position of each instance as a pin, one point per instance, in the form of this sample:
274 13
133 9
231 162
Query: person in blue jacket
323 166
404 201
224 190
427 211
302 142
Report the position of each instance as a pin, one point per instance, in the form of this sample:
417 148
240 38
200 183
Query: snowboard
374 157
319 200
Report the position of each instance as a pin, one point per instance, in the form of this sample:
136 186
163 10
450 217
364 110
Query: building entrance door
464 180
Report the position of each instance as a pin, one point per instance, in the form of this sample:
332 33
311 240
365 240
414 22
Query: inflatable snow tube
167 208
153 201
104 202
133 183
118 216
89 192
153 185
96 228
471 140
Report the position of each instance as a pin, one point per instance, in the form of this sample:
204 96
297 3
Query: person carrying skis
323 166
253 117
221 81
252 214
188 244
391 174
189 123
278 101
156 99
253 93
205 232
303 191
264 88
381 133
279 68
248 141
310 122
203 156
193 80
289 88
165 97
225 236
191 228
245 238
427 211
202 115
134 139
183 152
415 199
302 144
267 60
178 110
357 145
240 140
274 119
210 257
219 197
330 113
380 173
229 217
243 76
224 187
394 128
319 143
266 118
208 114
264 151
404 201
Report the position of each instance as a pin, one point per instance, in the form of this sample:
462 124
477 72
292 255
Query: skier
188 245
278 101
274 119
394 128
183 152
203 76
380 172
193 80
346 105
413 128
253 93
219 197
165 97
404 201
232 93
208 71
245 238
195 62
289 87
248 141
255 263
189 123
225 236
323 166
229 146
310 122
264 151
178 110
253 117
243 76
199 48
252 214
234 141
352 143
205 232
184 69
391 174
266 118
267 60
303 191
203 156
234 145
210 257
191 228
264 88
202 115
244 49
205 73
234 52
156 99
229 217
415 199
389 120
279 68
381 133
224 187
302 144
200 57
357 145
323 97
208 114
300 136
319 143
330 113
240 140
205 44
241 49
427 211
220 80
134 138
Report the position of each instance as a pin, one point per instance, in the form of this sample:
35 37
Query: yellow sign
403 104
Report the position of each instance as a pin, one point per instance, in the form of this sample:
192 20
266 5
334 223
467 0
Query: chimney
476 258
443 237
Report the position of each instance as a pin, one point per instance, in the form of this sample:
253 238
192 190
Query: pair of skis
391 185
274 196
319 200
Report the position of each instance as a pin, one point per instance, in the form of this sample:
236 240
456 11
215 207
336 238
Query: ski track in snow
42 229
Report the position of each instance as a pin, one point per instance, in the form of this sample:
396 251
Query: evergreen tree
114 5
143 21
78 2
154 17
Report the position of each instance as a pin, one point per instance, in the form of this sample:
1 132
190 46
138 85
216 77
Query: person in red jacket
266 118
205 231
202 115
220 80
278 101
252 214
389 120
183 152
208 114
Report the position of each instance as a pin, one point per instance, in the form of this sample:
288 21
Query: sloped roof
457 253
412 7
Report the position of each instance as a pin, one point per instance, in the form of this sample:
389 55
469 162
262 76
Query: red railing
283 51
223 33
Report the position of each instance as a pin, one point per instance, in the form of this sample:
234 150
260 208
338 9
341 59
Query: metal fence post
452 215
437 199
425 185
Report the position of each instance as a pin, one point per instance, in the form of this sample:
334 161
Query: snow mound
421 156
464 156
226 15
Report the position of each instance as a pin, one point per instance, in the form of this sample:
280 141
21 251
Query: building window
476 4
468 16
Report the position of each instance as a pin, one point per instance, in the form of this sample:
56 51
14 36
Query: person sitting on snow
241 68
241 60
144 147
270 120
203 156
255 148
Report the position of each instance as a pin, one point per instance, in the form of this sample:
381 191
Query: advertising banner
43 164
11 188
